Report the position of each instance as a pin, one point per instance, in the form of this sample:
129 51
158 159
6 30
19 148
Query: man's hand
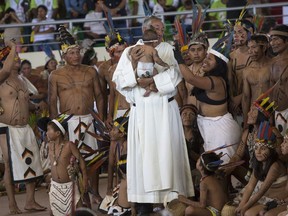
136 53
144 82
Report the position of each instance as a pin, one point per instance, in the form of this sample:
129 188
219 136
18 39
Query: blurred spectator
95 30
90 5
21 7
136 8
159 7
187 18
75 8
172 4
117 9
234 14
18 8
218 18
43 33
52 8
10 17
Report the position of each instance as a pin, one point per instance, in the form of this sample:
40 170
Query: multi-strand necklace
54 154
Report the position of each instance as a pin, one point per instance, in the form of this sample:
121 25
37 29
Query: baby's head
150 37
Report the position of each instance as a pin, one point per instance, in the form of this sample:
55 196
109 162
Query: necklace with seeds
54 154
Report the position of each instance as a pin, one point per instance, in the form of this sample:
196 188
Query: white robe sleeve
124 77
167 81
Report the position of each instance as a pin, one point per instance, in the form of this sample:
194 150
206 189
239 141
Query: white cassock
157 160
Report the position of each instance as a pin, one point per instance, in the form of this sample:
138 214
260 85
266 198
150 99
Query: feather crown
222 47
265 135
198 36
113 38
263 105
67 40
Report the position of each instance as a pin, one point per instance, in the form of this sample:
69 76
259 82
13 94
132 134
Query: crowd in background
27 11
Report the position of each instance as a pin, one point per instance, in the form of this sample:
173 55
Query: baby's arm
158 60
75 151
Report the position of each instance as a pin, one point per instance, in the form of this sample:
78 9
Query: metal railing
71 22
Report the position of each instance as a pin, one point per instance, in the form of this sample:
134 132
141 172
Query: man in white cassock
157 159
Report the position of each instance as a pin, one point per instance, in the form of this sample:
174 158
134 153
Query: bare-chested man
77 86
115 48
239 59
16 136
256 77
197 50
279 72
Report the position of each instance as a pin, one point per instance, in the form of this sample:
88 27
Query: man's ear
58 133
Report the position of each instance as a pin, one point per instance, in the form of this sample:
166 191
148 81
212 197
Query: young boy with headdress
64 193
212 193
145 65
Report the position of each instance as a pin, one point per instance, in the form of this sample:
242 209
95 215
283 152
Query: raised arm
8 63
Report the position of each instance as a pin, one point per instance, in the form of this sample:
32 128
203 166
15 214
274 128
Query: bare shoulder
103 68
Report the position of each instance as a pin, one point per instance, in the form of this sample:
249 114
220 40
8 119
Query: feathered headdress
198 36
258 21
216 162
112 34
263 105
265 135
246 24
222 47
183 37
67 40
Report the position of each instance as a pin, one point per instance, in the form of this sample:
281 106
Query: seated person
95 30
269 177
212 193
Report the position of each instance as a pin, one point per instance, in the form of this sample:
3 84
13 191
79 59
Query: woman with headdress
211 92
269 178
261 110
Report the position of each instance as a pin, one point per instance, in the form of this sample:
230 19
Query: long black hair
220 70
261 171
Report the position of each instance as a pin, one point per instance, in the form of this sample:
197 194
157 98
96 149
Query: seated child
145 65
212 193
63 170
268 179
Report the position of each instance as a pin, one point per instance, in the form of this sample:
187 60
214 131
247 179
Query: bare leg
95 187
7 177
31 204
111 162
